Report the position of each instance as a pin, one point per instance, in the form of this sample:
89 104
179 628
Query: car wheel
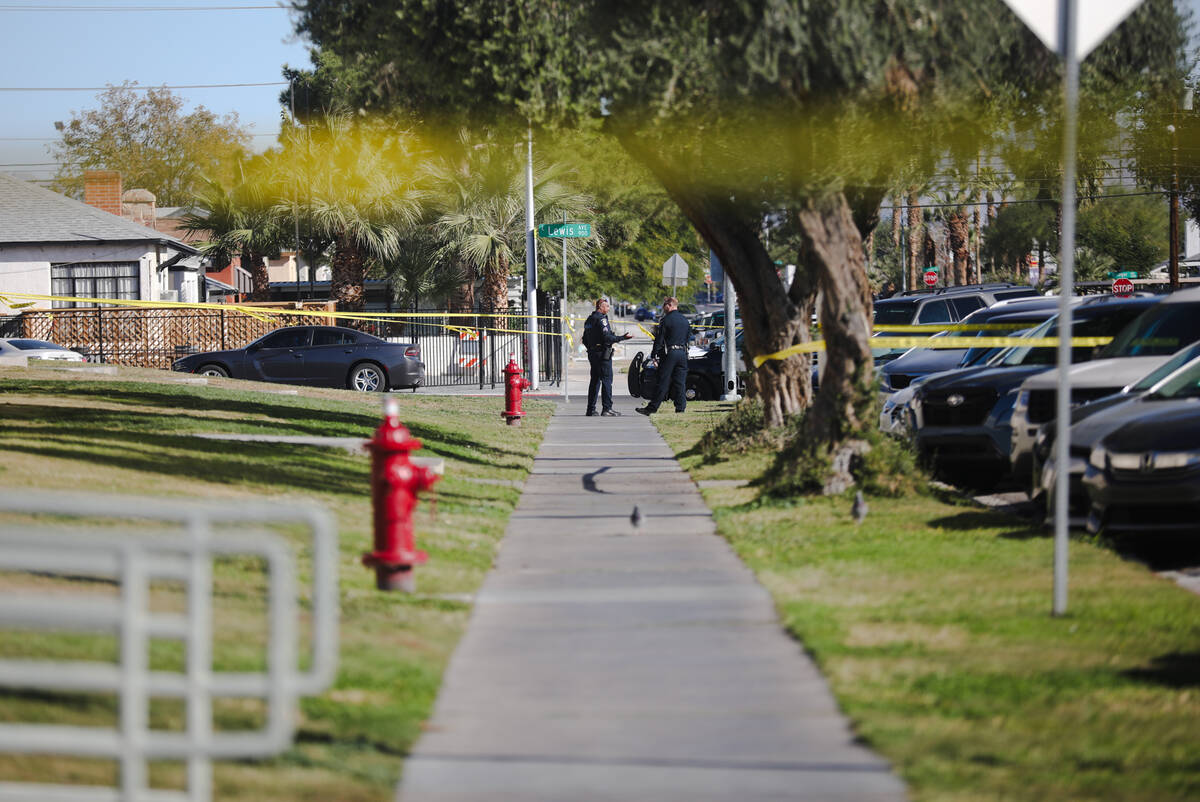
697 389
367 377
213 370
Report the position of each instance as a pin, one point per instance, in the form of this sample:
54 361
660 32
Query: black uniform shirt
673 333
597 333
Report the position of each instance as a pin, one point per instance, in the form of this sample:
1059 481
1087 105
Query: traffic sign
1122 288
931 278
675 271
1101 17
564 230
1124 274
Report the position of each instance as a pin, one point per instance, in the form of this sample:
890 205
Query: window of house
93 280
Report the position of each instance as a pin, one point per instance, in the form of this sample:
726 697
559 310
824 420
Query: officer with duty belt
598 338
670 348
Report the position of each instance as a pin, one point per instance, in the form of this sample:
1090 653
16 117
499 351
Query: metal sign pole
1066 267
563 315
531 268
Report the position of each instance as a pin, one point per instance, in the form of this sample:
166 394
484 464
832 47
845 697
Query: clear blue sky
68 47
64 45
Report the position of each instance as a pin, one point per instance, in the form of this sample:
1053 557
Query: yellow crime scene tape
936 327
940 343
265 313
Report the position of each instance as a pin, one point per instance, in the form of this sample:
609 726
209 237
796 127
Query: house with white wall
53 245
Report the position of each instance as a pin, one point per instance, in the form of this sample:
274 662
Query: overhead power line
25 7
131 86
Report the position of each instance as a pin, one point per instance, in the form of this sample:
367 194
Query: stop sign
1122 288
931 278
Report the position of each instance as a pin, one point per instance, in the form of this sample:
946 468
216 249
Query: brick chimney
102 189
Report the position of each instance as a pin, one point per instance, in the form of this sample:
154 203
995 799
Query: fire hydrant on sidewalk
513 385
395 483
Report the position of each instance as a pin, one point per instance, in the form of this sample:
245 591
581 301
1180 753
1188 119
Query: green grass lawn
931 622
134 434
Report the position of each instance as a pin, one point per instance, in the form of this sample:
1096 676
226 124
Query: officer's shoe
591 413
611 413
644 411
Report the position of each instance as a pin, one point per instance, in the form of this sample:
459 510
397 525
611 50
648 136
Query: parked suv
945 305
1160 332
963 418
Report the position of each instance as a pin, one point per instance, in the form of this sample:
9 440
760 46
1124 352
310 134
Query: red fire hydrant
395 482
513 385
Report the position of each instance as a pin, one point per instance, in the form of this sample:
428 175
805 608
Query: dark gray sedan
322 356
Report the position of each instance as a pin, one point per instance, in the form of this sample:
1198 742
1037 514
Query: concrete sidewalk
604 663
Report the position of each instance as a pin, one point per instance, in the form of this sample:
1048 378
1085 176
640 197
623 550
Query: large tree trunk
495 290
978 274
916 242
959 238
463 299
260 281
832 245
348 270
773 319
896 221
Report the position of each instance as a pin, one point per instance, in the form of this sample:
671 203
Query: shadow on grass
980 519
1176 670
235 464
1159 551
143 426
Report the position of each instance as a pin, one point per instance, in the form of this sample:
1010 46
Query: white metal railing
183 551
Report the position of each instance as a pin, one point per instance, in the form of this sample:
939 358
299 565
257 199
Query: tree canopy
152 142
740 109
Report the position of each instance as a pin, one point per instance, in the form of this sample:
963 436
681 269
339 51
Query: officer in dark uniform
670 347
598 338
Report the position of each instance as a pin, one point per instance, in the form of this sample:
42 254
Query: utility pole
531 266
1173 244
295 200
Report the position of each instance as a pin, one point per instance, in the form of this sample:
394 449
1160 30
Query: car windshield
1167 368
895 313
1161 330
31 345
1109 323
1184 384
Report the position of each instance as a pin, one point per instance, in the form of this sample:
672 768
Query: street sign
1122 288
564 230
1124 274
1101 17
931 278
1078 34
675 271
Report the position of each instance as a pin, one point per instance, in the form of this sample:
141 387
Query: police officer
598 338
670 347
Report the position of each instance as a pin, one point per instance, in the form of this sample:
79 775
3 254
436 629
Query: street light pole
1173 244
566 359
1066 276
531 267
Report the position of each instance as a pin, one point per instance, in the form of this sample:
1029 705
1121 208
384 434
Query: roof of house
29 213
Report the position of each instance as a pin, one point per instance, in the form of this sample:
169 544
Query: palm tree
482 189
241 220
364 189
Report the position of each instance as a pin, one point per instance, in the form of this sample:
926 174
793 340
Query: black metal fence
458 350
465 350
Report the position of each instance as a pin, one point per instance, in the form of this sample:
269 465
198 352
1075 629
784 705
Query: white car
37 349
